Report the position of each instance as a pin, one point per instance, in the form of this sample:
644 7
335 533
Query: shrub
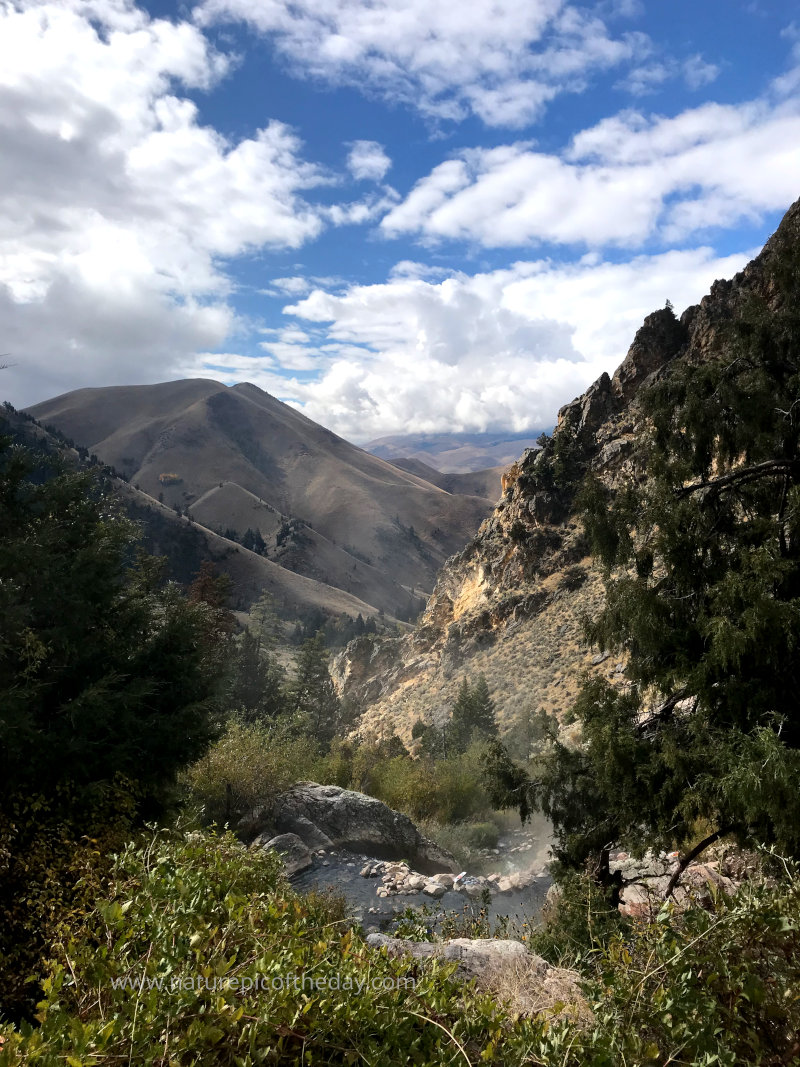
203 918
54 854
247 766
704 987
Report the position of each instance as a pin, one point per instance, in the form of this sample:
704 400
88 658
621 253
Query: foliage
205 919
702 558
580 922
248 765
311 696
257 678
101 670
53 855
472 719
716 987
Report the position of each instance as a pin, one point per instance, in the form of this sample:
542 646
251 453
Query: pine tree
473 715
103 668
312 696
259 544
703 595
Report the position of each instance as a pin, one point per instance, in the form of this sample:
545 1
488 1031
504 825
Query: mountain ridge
179 441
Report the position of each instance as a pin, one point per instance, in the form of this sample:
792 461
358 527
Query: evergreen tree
259 544
312 696
103 670
257 686
473 715
257 690
703 595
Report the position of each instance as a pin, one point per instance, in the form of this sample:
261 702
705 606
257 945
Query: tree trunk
693 854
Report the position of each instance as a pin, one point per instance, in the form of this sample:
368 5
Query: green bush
54 854
247 766
204 918
706 987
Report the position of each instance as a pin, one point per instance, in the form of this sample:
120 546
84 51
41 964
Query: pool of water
338 872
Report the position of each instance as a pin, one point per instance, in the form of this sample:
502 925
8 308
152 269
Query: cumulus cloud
497 59
626 180
116 204
503 349
367 161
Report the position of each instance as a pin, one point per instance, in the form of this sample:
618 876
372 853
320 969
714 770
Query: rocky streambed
336 839
378 891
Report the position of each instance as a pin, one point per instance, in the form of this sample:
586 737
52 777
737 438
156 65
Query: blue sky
397 216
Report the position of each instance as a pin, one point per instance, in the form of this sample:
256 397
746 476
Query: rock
444 879
433 889
294 854
527 982
637 901
415 881
342 818
474 957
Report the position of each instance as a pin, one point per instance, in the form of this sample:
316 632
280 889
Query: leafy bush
248 765
53 855
464 840
705 987
204 919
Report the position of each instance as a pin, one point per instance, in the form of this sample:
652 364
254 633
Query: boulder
504 967
325 816
444 879
433 889
474 957
296 857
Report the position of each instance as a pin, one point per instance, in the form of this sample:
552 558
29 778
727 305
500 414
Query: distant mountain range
240 464
455 453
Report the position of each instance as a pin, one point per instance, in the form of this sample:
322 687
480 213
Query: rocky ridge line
526 578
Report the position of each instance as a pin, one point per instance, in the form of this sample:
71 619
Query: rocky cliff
510 604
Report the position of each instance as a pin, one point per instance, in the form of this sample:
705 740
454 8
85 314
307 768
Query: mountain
483 483
454 453
235 458
510 604
186 543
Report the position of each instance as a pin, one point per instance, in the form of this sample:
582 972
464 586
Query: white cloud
498 59
626 180
649 77
292 286
117 206
367 161
502 349
698 72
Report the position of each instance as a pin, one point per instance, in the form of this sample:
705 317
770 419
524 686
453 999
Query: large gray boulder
475 957
325 816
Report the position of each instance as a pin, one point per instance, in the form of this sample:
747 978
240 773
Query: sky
396 215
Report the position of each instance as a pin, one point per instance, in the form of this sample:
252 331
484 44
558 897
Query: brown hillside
201 434
485 483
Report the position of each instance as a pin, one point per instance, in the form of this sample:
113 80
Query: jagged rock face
509 604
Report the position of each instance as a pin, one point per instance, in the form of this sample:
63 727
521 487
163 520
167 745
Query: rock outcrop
505 967
510 604
327 817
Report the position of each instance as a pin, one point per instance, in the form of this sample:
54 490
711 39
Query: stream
519 851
